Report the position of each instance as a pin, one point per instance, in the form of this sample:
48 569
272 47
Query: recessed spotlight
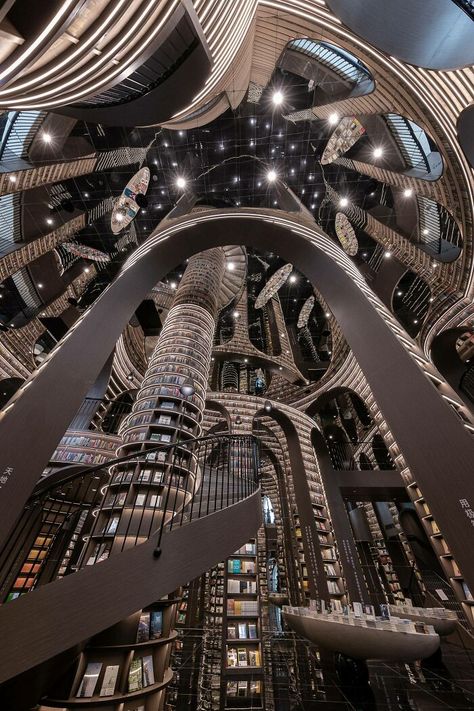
259 184
425 231
327 314
293 279
252 121
408 192
292 147
280 367
365 255
267 125
86 195
87 270
12 178
399 293
40 286
333 118
181 183
312 206
275 203
230 266
343 202
246 360
180 133
165 144
292 171
431 299
49 221
47 138
378 152
277 98
272 176
415 320
173 285
235 314
387 254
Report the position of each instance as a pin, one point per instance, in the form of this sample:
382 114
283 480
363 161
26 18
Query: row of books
242 608
242 587
86 441
244 688
243 657
85 457
246 549
150 625
242 630
141 673
89 685
237 566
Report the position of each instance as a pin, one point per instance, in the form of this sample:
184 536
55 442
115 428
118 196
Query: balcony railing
359 456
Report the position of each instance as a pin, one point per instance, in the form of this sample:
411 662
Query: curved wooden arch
421 422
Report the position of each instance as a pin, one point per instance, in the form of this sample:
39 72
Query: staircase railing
78 518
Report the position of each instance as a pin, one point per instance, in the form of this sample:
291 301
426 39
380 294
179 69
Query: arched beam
420 420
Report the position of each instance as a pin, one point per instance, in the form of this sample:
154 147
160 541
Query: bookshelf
127 664
243 664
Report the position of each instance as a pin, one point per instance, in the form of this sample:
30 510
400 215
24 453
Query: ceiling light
12 178
49 221
399 293
292 146
292 171
333 118
173 285
165 144
235 314
408 192
259 184
312 206
272 176
378 152
236 178
252 144
280 367
47 138
180 133
252 121
387 254
181 183
365 255
277 98
267 125
425 231
431 299
230 266
87 270
343 202
268 405
40 286
221 146
327 314
86 195
415 320
246 360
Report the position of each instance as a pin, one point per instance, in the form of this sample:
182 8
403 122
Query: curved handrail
193 477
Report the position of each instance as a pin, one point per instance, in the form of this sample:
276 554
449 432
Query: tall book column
243 670
164 412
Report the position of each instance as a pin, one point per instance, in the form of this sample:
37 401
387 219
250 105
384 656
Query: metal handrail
104 509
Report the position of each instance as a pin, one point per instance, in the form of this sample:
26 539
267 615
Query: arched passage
420 420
